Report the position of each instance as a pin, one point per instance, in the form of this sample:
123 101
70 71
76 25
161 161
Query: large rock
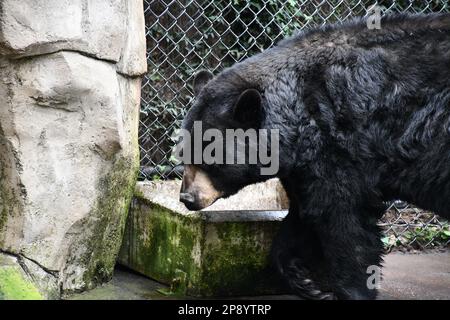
133 61
111 30
34 27
68 163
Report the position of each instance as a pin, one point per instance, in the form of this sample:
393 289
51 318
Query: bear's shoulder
355 31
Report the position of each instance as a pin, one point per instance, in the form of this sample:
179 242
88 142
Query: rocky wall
69 111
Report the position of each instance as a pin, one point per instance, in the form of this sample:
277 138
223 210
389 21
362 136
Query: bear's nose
187 198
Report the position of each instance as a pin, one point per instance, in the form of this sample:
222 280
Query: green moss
3 214
162 245
106 224
13 285
3 180
198 257
3 202
235 259
139 195
111 212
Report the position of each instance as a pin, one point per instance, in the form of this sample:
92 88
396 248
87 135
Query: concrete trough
221 251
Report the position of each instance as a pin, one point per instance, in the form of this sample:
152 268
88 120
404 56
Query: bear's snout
197 191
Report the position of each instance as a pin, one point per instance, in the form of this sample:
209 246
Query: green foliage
423 236
429 234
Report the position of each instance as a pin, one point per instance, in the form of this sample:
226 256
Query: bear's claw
303 285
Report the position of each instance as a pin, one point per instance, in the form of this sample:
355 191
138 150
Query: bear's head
222 138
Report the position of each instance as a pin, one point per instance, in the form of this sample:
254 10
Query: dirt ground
416 276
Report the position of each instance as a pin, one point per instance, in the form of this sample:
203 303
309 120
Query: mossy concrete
206 253
112 211
98 253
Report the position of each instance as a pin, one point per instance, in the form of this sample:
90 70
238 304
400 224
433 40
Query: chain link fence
184 36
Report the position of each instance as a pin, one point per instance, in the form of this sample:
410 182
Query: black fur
364 117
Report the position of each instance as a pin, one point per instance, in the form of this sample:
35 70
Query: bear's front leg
352 251
299 269
328 253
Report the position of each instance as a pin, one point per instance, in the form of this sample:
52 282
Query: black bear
363 117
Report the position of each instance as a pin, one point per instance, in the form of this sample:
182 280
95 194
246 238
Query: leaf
292 3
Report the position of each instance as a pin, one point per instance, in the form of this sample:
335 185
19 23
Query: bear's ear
248 107
201 78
